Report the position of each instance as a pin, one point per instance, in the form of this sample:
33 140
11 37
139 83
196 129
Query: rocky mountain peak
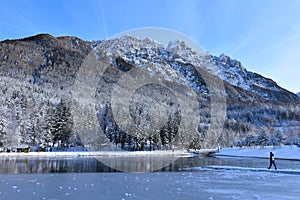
177 46
180 51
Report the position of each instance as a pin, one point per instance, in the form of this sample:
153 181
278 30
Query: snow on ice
209 184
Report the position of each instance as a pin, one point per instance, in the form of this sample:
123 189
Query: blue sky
263 34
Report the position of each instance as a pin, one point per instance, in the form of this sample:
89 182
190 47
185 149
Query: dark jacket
271 156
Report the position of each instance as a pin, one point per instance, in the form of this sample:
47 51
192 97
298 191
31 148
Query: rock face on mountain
40 77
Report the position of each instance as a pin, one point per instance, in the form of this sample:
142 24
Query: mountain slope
38 75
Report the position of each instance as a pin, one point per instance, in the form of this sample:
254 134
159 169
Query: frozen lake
86 177
204 184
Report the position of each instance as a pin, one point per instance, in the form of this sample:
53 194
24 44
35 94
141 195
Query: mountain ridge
38 74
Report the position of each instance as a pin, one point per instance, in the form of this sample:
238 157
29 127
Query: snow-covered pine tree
63 124
262 138
3 133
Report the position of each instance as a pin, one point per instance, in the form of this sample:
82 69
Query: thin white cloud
271 44
286 67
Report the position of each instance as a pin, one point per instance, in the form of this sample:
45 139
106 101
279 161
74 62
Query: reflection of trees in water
51 165
91 164
138 163
10 165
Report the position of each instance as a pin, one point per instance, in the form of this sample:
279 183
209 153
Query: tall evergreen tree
3 139
63 124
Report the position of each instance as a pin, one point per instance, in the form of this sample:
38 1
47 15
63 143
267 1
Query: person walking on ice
272 160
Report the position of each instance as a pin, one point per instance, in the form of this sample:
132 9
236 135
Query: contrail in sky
103 19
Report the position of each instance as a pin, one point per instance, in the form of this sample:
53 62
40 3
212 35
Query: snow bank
284 152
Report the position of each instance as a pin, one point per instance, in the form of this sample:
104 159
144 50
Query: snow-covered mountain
178 56
298 94
38 76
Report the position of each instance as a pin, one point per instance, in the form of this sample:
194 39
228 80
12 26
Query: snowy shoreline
281 153
177 153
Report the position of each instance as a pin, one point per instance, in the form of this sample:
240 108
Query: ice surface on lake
206 184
